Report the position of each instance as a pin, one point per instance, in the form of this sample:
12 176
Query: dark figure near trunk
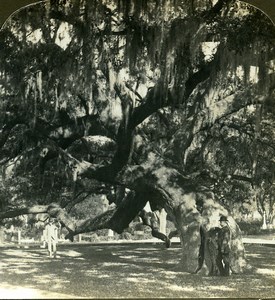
209 251
212 244
224 238
215 249
151 219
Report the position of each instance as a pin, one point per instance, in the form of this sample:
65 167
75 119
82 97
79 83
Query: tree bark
188 226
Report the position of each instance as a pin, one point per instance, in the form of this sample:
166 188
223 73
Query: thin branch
134 91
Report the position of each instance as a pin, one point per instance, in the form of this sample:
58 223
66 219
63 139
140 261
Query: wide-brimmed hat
223 218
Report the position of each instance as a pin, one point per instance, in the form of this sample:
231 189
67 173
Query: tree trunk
238 261
193 228
188 226
162 221
264 226
2 235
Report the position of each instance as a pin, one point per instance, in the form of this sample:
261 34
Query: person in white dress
51 237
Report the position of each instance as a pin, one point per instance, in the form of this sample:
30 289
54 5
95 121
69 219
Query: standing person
224 239
51 236
212 248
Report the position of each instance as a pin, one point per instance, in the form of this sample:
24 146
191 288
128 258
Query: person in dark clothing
224 237
213 250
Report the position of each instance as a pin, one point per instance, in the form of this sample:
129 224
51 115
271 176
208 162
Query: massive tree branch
54 210
37 209
116 219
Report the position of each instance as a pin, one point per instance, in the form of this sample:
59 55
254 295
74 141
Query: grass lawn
125 271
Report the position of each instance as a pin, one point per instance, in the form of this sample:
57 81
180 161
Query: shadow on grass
132 271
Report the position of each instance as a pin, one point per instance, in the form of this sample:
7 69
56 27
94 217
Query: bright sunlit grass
9 292
19 293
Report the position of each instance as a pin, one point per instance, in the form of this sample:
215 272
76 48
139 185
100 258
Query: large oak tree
141 101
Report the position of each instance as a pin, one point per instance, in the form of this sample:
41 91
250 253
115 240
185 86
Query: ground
125 271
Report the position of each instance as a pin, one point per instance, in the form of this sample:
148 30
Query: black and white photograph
137 149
